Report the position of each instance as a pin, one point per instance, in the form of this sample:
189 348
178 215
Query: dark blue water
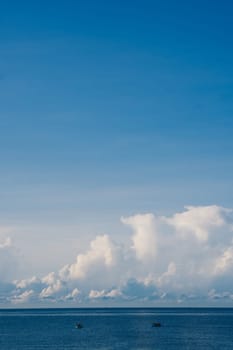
116 329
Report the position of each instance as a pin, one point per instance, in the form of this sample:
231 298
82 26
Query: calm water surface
116 329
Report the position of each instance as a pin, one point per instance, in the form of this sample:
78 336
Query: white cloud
199 221
101 255
102 294
23 297
51 289
74 295
96 294
224 262
165 278
178 258
26 282
145 235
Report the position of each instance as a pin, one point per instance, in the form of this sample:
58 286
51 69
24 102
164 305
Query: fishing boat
78 325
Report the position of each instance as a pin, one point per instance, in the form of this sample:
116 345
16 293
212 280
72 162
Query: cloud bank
183 258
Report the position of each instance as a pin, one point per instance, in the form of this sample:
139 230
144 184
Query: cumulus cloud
73 295
199 221
22 298
224 262
22 284
103 294
165 278
145 236
51 290
177 258
101 255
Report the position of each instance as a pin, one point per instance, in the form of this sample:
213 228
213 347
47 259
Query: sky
116 122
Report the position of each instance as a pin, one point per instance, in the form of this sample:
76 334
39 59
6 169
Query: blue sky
111 109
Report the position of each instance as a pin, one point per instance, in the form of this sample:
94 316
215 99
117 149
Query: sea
117 328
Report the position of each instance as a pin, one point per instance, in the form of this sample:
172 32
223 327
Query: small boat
156 324
78 325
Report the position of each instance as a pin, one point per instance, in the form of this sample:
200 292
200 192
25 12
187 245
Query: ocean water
106 329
